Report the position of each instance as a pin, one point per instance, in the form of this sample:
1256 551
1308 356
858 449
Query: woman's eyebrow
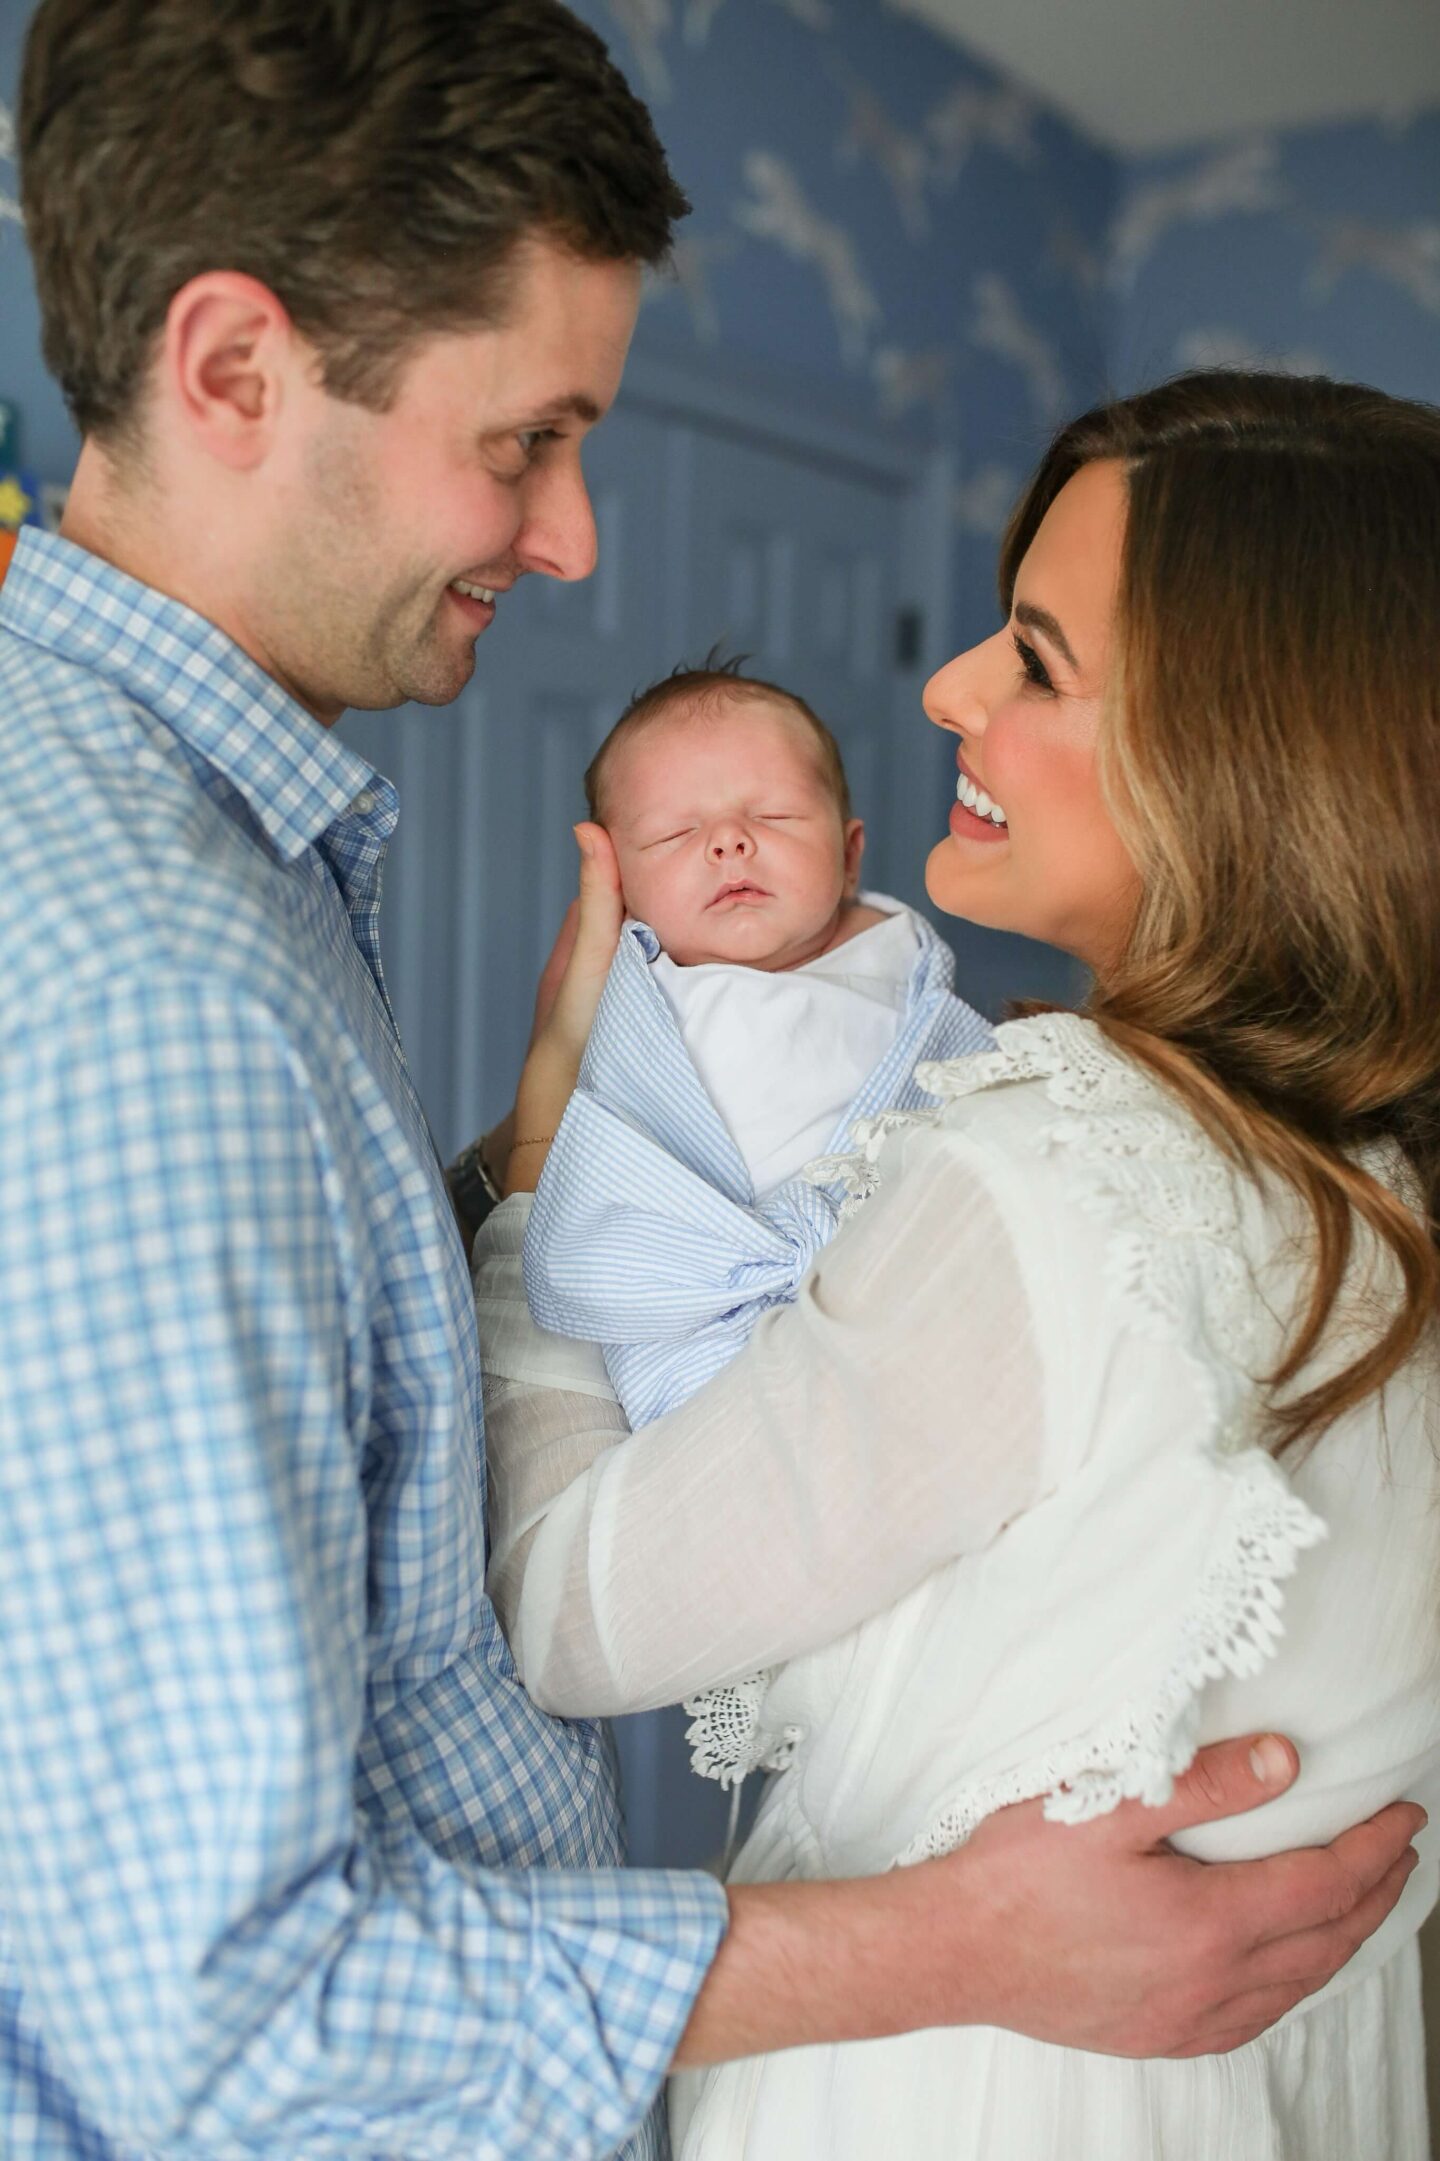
1042 620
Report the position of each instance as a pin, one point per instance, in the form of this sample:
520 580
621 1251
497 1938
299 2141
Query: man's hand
1107 1940
1092 1936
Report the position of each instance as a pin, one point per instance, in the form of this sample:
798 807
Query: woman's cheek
1041 770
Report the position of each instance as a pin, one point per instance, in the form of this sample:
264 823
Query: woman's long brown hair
1271 753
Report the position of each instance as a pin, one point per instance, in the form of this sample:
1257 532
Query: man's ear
229 345
854 850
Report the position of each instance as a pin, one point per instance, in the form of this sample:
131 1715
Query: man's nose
557 537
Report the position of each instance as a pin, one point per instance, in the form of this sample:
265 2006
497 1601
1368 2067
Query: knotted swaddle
646 1234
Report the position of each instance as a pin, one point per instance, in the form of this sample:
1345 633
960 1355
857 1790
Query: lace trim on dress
1233 1626
727 1739
1174 1255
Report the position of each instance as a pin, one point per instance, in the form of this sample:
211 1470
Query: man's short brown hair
715 685
375 163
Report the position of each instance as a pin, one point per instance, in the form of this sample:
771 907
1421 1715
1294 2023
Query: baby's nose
729 840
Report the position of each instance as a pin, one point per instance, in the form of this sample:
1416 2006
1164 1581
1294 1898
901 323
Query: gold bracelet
541 1140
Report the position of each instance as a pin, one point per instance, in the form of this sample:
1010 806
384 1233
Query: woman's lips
964 825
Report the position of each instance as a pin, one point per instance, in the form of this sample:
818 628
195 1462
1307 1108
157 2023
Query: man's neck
117 520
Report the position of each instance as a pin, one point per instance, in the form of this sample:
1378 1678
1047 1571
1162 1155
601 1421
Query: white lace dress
983 1516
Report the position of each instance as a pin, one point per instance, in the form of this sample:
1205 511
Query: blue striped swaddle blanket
646 1235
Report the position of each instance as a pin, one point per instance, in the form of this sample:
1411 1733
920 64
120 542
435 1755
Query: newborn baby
757 1005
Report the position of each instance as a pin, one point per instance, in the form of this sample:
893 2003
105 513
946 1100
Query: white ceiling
1141 75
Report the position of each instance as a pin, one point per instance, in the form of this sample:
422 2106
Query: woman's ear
854 850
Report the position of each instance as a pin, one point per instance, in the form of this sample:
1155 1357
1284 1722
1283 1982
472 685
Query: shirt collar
297 777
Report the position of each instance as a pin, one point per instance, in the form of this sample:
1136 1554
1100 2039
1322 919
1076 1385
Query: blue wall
48 442
878 215
875 211
1318 249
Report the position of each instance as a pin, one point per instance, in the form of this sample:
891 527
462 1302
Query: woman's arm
885 1422
565 1001
1092 1936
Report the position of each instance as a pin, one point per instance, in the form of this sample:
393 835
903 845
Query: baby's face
730 842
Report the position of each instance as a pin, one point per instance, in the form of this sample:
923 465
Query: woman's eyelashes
1032 666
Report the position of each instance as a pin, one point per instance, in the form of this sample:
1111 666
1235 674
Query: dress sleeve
889 1420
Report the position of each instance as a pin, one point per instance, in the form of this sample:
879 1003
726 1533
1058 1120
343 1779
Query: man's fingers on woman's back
1293 1967
1336 1887
1308 1957
1286 1970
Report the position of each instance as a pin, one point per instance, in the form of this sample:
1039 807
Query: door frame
779 413
778 410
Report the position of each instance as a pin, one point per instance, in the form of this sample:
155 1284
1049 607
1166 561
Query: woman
1108 1424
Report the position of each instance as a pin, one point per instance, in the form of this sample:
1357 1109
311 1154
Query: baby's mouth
738 889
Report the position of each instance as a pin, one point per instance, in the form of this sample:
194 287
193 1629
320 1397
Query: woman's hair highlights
1271 751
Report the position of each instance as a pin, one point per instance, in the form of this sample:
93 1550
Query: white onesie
783 1055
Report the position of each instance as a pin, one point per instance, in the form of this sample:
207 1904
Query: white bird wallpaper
877 206
880 212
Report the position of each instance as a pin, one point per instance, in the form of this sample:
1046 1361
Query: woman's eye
530 440
1034 668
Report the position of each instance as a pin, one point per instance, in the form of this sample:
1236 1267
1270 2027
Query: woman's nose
956 695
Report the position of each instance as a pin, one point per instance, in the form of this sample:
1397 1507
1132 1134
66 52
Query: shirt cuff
641 1942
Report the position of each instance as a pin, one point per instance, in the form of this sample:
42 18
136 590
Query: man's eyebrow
1042 620
574 406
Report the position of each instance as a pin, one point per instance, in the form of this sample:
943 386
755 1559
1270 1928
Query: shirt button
364 803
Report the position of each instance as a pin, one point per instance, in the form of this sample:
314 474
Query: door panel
797 565
704 536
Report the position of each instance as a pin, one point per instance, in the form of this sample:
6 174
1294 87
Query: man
288 1861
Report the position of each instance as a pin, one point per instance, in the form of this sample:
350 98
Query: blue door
710 531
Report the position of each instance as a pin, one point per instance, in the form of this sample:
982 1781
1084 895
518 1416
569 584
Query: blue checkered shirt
289 1862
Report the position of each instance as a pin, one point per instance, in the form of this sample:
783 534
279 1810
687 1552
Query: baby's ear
854 850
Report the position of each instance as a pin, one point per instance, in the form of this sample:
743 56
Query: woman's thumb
598 865
602 911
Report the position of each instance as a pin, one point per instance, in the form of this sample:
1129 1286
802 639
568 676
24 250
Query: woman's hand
565 1003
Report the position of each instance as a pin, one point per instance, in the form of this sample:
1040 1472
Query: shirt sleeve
219 1951
889 1420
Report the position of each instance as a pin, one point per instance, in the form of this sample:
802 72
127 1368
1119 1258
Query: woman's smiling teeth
977 800
473 592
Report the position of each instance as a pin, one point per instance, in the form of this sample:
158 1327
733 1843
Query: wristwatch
473 1191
